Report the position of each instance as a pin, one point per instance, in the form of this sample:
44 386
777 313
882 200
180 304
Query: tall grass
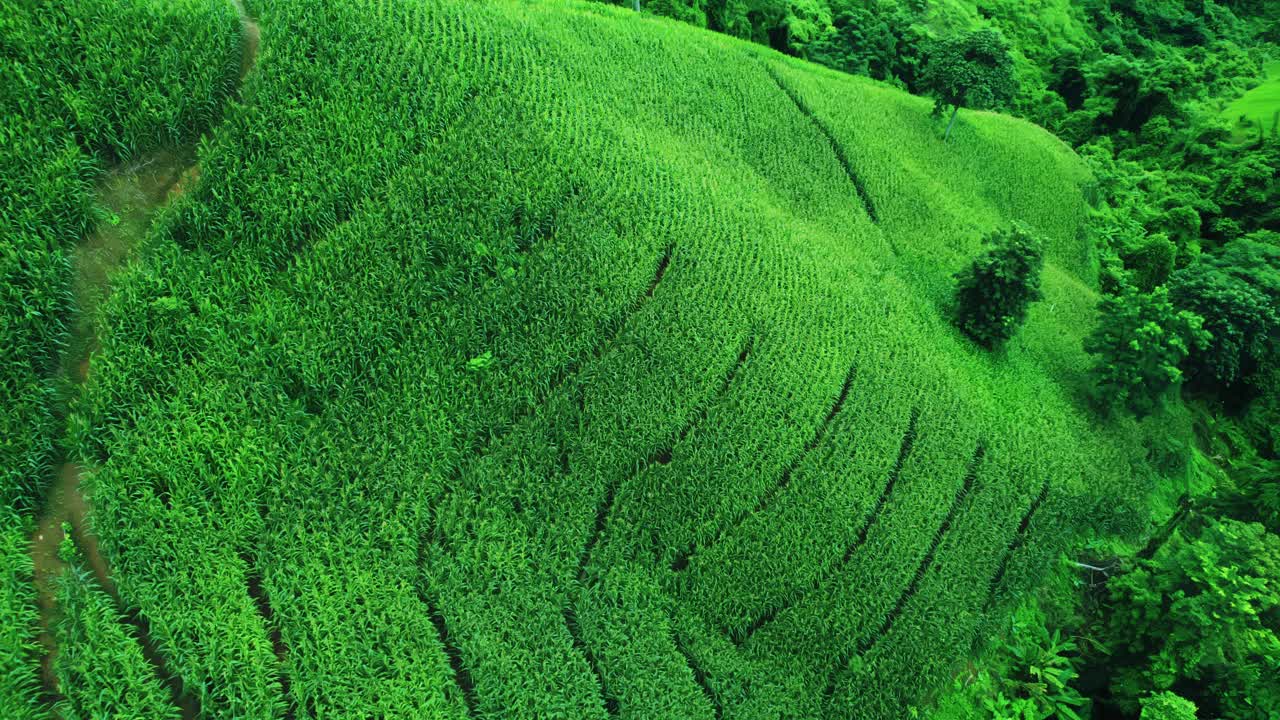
85 85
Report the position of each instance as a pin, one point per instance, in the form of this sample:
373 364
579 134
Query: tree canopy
994 292
973 71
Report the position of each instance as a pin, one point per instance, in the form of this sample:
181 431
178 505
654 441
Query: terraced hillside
552 361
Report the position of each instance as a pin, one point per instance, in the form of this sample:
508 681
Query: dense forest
729 359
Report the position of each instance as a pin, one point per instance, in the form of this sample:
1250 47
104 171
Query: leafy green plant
480 362
1237 292
1140 342
994 293
1201 617
973 71
1167 706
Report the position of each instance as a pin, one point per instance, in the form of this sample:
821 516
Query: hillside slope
85 86
547 360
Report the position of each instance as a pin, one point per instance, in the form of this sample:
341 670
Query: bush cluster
994 293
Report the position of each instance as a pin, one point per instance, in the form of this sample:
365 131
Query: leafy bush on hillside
1202 618
995 291
1151 261
1237 292
1140 343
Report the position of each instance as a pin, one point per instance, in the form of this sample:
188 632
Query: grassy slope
84 85
1256 110
729 455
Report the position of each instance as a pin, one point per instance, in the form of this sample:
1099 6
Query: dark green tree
1140 343
994 292
1150 261
1237 292
973 71
1201 617
883 39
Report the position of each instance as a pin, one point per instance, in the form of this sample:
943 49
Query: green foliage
1151 262
100 666
1237 292
1201 617
973 71
1248 488
881 39
1140 342
1167 706
1263 415
19 674
1028 674
994 293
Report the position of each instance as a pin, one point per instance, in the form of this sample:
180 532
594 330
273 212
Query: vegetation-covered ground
531 360
1258 110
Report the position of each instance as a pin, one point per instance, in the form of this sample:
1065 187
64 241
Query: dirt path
131 196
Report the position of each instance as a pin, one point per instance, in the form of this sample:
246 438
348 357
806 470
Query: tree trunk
954 110
637 5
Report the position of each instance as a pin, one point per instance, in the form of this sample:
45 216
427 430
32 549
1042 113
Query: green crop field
1258 111
534 360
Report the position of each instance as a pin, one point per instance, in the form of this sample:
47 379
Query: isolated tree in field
994 292
1140 342
973 71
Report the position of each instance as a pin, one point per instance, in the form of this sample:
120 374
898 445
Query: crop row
829 620
947 607
19 674
100 665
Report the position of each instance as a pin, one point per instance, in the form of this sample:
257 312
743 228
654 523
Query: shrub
1150 261
1140 342
1237 292
995 291
1168 706
1029 675
1203 613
